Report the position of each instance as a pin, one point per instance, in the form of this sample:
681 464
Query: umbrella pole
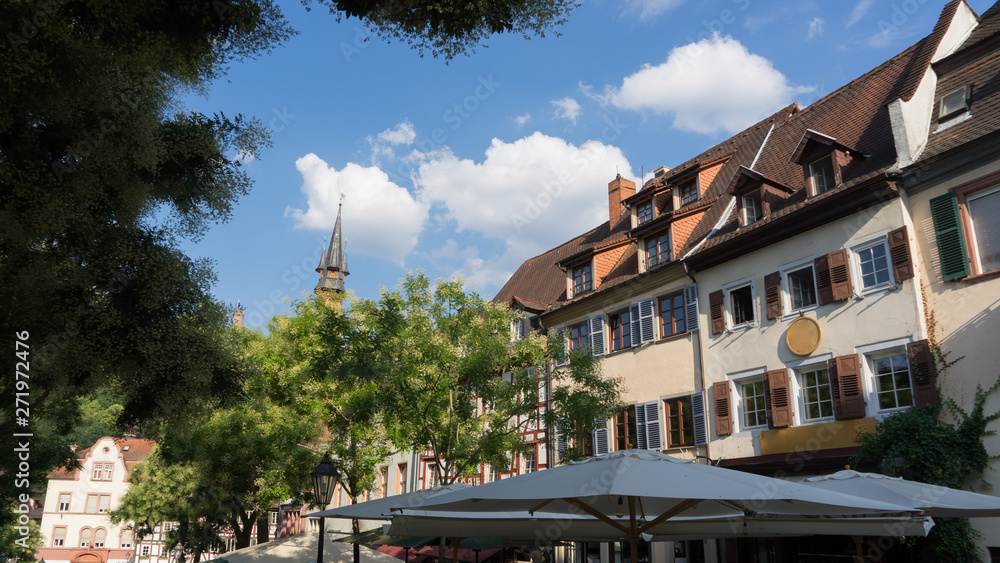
633 532
454 550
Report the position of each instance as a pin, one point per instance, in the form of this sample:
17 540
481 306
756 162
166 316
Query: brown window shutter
779 403
824 286
723 413
899 250
772 295
845 374
716 309
923 372
840 275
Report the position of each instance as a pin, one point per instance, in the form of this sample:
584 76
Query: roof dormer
822 158
756 196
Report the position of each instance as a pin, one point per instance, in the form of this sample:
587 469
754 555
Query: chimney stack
619 190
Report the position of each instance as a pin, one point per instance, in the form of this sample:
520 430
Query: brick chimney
619 189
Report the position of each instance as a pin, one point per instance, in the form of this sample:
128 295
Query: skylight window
954 103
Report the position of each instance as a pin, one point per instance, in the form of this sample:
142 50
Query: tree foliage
447 28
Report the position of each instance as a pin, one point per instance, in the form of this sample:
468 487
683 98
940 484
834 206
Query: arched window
99 537
86 535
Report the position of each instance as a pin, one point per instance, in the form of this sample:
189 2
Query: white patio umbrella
380 509
933 500
634 491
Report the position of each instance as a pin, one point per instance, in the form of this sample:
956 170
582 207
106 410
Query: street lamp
324 477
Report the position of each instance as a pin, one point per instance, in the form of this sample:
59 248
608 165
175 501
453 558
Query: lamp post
324 477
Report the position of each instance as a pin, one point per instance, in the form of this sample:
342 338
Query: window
688 191
494 474
801 288
145 549
99 537
86 536
680 423
401 484
644 213
59 536
741 306
753 210
92 501
579 336
672 314
984 220
383 482
64 499
103 471
658 249
817 395
821 174
625 429
530 465
517 330
582 279
954 103
104 504
272 517
621 330
873 264
753 403
126 539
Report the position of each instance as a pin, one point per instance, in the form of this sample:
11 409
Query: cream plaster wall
891 315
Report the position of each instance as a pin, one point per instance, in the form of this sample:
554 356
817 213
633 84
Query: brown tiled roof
982 75
926 49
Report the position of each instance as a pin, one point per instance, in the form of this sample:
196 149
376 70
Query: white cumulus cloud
708 86
402 134
522 119
380 218
567 108
816 27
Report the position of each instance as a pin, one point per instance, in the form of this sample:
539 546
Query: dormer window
954 103
753 209
821 174
688 192
644 213
657 249
583 279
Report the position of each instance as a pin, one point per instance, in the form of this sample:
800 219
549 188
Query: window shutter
950 237
640 428
562 444
923 373
633 314
840 275
715 305
824 287
597 335
105 504
601 438
723 413
849 397
646 325
691 307
652 437
562 343
698 419
772 295
899 250
778 402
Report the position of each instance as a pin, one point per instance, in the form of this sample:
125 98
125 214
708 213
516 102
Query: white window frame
787 304
973 245
864 243
830 183
798 388
759 213
64 507
728 304
736 381
869 379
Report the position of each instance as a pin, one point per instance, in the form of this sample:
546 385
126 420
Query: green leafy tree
16 547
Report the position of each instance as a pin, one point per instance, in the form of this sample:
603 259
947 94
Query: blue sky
469 168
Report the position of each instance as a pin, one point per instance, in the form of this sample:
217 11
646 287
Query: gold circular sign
803 336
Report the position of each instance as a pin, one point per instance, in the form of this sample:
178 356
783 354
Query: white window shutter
597 335
633 314
601 439
646 325
640 428
698 418
691 307
562 444
562 343
653 435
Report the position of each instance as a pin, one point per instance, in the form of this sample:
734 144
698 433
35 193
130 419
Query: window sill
791 316
674 336
740 327
974 279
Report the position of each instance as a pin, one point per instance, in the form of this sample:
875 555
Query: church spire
333 263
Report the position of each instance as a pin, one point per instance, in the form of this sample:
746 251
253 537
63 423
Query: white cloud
647 10
533 193
860 9
380 218
816 27
402 134
709 86
567 108
522 119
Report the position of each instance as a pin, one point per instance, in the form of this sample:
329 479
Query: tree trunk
242 526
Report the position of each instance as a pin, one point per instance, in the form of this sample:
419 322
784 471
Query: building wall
889 316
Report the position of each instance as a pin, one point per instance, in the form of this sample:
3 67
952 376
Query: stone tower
332 268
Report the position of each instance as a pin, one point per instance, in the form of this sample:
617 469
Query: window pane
984 212
874 266
741 301
802 288
893 382
817 394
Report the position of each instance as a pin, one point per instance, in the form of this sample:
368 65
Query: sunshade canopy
379 509
933 500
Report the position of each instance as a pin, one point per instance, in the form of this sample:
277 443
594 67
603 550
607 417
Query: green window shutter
950 237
